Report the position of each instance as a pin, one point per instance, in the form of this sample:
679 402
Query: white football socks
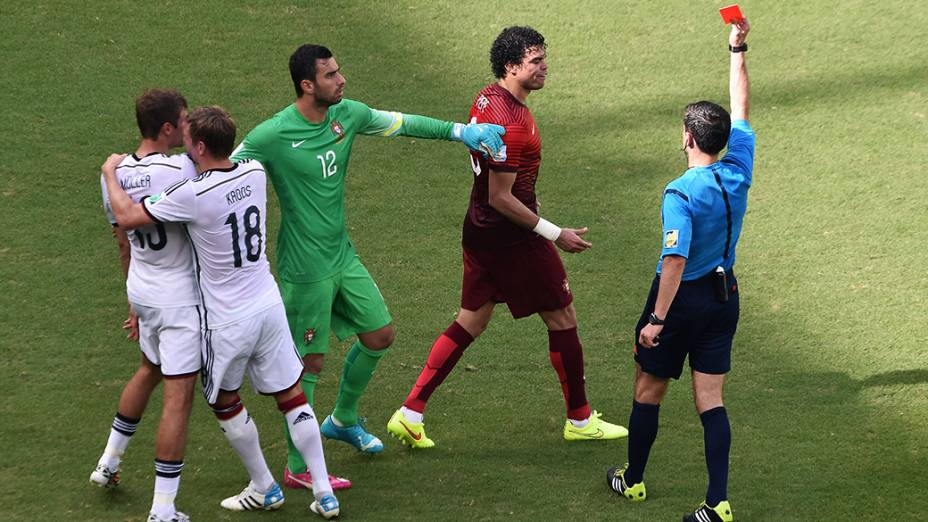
412 415
242 435
304 432
166 487
120 434
580 423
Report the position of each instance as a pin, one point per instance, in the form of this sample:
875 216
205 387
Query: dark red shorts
529 277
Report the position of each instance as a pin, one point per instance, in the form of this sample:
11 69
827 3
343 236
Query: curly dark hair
510 47
709 124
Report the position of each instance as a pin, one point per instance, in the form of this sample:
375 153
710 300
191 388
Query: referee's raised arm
738 82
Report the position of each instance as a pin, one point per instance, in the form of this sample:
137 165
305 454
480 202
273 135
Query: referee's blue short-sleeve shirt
694 213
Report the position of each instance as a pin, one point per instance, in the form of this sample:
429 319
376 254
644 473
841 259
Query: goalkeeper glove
484 138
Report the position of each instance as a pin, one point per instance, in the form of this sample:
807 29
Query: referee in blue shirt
692 309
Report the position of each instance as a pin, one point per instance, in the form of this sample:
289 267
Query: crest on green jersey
337 129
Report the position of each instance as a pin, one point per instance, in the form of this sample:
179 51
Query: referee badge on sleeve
671 238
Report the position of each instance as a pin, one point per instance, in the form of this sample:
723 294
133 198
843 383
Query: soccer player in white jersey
162 291
245 324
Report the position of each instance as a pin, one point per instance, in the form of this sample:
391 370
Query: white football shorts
171 338
261 345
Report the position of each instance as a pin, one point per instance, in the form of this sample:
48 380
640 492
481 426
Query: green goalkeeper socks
295 462
360 364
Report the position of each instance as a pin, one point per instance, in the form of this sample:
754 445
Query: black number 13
156 243
251 220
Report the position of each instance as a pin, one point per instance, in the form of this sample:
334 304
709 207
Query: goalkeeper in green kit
305 149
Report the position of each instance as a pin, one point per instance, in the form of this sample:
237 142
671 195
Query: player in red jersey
509 253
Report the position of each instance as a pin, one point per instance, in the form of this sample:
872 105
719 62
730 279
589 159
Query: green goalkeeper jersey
308 164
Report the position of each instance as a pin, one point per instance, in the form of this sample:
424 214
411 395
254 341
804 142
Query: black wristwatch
655 320
743 48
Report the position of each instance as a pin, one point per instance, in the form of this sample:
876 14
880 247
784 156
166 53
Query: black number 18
252 223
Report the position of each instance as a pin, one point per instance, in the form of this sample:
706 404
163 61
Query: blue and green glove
484 138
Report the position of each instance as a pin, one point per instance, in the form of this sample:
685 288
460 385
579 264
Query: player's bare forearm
125 251
502 200
738 85
671 274
514 210
128 213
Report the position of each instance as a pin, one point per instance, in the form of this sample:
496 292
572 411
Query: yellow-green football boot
596 429
411 434
615 479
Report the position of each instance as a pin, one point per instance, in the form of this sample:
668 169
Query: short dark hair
303 64
155 107
510 47
710 125
215 128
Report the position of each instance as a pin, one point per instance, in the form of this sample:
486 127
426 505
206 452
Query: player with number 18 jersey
224 212
245 322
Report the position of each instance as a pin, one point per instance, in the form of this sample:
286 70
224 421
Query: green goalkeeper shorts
346 303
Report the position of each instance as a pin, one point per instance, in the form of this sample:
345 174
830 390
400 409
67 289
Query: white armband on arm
547 229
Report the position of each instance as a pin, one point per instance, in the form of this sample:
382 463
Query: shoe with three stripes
615 479
707 513
105 477
250 499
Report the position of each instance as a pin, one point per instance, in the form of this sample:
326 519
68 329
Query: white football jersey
161 271
224 210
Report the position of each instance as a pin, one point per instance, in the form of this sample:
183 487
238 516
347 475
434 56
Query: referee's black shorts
697 325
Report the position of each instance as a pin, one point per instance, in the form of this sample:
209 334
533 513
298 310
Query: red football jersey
484 227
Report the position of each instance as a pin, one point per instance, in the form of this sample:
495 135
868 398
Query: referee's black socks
717 439
642 430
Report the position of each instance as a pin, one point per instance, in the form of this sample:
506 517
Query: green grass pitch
828 395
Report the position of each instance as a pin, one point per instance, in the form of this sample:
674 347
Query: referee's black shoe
705 513
615 479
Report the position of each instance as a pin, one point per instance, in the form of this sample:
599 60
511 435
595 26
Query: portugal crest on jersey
482 103
309 335
337 129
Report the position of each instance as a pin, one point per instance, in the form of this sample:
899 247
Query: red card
731 14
